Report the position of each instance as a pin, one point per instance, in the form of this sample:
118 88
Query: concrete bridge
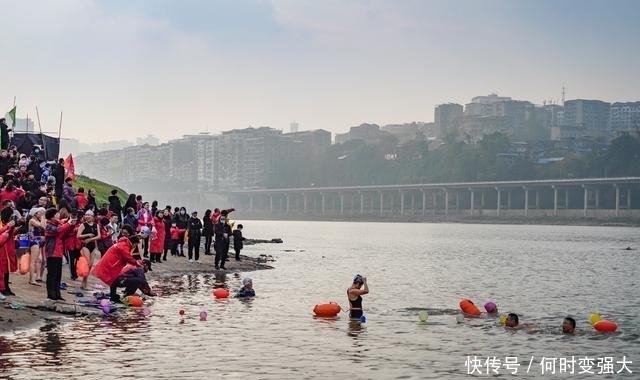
567 198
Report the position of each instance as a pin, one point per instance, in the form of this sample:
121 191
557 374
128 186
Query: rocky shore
29 307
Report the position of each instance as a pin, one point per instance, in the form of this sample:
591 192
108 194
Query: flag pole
41 137
60 128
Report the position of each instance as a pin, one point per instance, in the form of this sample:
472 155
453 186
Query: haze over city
126 69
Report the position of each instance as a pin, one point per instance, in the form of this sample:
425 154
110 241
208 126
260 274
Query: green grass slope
103 190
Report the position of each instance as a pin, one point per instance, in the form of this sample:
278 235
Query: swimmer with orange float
355 292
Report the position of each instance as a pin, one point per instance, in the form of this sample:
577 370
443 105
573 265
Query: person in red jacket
175 239
8 258
110 268
81 199
73 245
156 247
54 233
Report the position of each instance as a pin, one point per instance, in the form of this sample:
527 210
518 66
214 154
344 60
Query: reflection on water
542 273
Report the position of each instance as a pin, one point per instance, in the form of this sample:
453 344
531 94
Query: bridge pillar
286 195
498 201
435 202
381 203
617 199
555 200
537 199
526 200
401 203
250 203
457 201
304 203
413 203
424 202
508 199
597 198
628 198
446 202
586 200
271 203
361 203
341 203
566 198
323 202
472 200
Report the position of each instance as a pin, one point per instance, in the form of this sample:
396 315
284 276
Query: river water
543 273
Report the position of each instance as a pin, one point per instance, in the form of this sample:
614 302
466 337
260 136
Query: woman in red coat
156 247
8 258
54 234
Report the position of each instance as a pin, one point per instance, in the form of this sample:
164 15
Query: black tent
25 142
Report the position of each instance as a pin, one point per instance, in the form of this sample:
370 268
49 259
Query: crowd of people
44 215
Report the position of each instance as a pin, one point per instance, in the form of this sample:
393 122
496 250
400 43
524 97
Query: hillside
103 190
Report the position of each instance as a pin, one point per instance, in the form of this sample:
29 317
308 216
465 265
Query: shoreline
487 219
28 309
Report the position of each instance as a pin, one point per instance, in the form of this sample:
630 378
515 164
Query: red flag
70 167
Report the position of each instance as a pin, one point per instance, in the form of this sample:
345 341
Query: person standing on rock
238 240
207 232
222 232
195 231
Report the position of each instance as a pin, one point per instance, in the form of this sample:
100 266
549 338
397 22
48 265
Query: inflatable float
469 308
221 293
330 309
604 325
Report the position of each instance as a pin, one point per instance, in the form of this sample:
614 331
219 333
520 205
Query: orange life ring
469 308
330 309
604 325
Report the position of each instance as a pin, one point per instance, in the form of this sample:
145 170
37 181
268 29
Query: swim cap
358 279
145 230
246 280
490 307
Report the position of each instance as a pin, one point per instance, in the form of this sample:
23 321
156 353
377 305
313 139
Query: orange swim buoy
135 301
82 267
330 309
604 325
25 263
469 308
221 293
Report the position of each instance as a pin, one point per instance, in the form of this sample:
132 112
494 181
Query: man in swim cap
354 295
247 288
568 325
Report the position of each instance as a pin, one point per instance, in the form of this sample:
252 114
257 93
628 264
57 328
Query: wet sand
30 309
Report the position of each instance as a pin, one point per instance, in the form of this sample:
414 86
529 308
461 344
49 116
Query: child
237 241
54 232
175 239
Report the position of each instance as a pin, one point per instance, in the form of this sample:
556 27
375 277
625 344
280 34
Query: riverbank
29 309
462 219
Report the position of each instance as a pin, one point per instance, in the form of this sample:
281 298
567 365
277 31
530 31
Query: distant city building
625 116
411 131
369 133
483 105
293 127
149 140
588 114
448 118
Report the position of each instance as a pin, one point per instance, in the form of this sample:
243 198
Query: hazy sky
127 68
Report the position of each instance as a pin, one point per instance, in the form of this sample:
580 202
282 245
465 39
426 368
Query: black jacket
195 227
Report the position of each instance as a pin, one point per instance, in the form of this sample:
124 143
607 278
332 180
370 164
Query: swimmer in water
513 323
568 325
358 288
